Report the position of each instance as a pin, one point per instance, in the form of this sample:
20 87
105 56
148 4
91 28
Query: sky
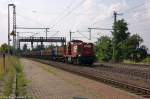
61 16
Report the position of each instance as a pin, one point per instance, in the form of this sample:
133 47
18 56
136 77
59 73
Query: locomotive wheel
66 60
75 61
79 61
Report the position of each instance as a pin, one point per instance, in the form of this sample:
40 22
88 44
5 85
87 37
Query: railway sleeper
146 96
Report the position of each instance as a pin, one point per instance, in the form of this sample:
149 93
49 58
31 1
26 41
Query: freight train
75 52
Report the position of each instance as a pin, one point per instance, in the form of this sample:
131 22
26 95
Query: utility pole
14 29
46 30
90 30
115 16
70 35
114 46
8 29
17 43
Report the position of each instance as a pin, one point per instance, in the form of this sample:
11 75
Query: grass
15 69
21 80
9 76
129 62
145 61
1 68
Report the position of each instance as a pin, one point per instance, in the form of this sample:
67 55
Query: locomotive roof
76 41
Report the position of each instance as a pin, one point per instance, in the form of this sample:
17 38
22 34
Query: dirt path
50 83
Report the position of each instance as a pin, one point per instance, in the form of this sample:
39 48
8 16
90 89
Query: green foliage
39 47
104 48
9 77
147 60
120 36
120 32
21 80
25 48
121 46
1 68
4 48
21 85
15 68
135 51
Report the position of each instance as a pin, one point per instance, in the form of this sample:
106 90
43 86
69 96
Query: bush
147 60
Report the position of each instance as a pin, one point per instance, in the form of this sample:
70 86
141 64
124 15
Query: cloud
147 4
88 4
107 11
97 15
99 12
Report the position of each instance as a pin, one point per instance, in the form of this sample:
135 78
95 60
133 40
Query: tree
135 51
39 47
25 48
121 46
121 31
142 52
104 48
134 41
4 48
120 36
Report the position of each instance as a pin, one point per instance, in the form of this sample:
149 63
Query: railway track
93 74
125 65
142 74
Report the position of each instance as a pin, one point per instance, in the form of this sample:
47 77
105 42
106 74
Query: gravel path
50 83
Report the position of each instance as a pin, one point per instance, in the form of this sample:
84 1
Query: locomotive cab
79 52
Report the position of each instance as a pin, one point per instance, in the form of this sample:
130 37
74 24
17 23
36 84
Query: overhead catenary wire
68 13
64 11
12 1
142 14
68 7
83 35
142 19
127 11
133 8
55 33
130 11
29 19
